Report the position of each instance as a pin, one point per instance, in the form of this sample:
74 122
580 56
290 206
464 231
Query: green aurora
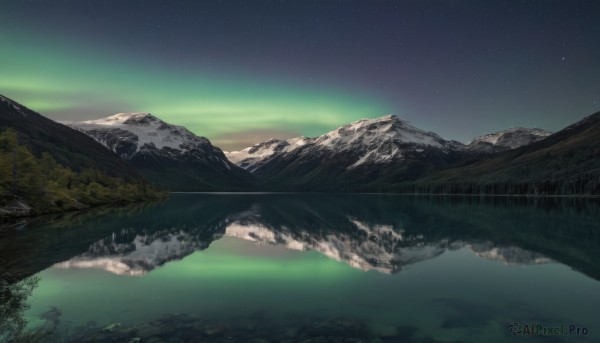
68 81
240 72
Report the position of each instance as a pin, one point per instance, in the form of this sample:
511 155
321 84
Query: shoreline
14 218
592 196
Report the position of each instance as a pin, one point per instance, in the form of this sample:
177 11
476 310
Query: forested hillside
565 163
68 147
32 185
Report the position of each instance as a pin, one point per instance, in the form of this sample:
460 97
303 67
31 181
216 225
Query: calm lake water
310 268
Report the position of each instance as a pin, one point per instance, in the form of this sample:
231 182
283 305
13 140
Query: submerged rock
111 327
213 330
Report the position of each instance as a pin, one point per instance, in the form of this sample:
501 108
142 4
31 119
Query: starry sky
239 72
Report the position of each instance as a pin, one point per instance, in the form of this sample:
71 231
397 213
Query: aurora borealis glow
84 85
239 72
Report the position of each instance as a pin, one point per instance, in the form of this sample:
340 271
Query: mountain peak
377 131
125 118
512 138
168 155
142 130
370 140
383 119
389 117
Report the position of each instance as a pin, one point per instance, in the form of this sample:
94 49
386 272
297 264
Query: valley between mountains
385 154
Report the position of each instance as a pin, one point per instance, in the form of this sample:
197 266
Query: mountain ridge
168 155
47 167
566 162
498 141
69 147
385 154
507 139
387 148
374 140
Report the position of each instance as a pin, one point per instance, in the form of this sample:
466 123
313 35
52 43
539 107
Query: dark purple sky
460 68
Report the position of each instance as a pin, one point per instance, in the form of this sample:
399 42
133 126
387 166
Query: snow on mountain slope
508 139
379 140
252 157
138 131
377 131
167 155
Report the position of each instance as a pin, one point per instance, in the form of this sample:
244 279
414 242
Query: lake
309 268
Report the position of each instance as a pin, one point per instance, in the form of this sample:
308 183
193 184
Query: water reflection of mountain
370 232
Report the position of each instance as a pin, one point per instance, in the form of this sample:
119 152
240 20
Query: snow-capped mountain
507 139
168 155
130 134
386 143
253 157
365 141
565 162
376 151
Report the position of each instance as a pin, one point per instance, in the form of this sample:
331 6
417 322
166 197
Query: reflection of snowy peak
385 246
143 254
378 248
508 255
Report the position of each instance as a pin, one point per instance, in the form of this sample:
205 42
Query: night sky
239 72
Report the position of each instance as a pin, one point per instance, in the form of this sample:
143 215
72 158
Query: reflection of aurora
368 232
366 246
254 250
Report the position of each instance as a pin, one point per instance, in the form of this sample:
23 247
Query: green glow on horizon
68 81
231 272
225 265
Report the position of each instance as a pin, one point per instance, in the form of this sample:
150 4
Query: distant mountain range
379 141
369 155
566 162
507 139
385 154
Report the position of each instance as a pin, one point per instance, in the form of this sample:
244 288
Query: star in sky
306 67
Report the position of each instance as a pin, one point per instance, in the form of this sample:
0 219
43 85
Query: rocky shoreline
255 328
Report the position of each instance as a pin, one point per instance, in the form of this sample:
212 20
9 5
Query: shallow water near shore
314 268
